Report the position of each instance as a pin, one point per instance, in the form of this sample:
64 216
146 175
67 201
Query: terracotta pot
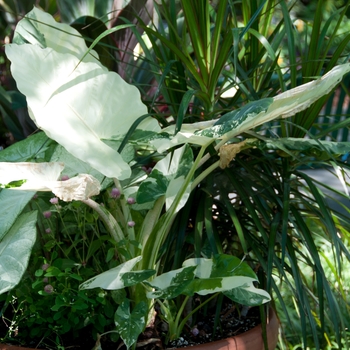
251 340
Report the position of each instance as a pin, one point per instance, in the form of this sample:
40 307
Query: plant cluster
193 188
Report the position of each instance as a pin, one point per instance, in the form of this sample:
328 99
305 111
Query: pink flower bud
115 193
64 178
48 230
131 200
131 223
48 289
47 214
54 200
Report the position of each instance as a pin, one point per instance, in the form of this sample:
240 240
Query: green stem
152 245
184 321
150 220
110 223
204 174
125 208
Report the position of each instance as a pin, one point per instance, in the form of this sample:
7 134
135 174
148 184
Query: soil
232 322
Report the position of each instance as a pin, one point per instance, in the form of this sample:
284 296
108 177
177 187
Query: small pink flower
48 230
48 289
44 267
54 200
131 223
45 280
115 193
47 214
64 178
131 200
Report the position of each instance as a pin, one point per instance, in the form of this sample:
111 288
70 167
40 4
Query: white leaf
43 176
40 28
36 172
111 279
80 187
77 107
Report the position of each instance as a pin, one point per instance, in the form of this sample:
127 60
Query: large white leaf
77 107
40 28
32 172
43 177
15 250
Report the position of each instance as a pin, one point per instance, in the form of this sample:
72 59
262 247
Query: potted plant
70 105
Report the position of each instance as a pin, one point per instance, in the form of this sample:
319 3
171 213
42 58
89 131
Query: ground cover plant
212 99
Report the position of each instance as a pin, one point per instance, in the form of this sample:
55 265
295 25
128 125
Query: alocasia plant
88 111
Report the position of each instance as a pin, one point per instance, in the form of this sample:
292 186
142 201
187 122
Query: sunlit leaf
113 278
77 107
283 105
40 28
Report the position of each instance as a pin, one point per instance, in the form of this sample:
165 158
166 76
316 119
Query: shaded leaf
130 324
12 203
15 250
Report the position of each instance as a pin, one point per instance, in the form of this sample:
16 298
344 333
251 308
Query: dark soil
232 322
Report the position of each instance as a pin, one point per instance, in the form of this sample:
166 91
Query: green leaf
154 187
248 295
171 284
12 203
223 274
72 165
118 277
26 149
317 148
167 177
134 277
227 265
15 250
130 324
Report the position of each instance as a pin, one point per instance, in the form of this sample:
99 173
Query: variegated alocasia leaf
223 273
43 177
171 284
119 277
262 111
320 148
15 250
78 105
167 177
130 324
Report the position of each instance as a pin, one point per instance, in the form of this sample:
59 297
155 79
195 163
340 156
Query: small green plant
47 304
